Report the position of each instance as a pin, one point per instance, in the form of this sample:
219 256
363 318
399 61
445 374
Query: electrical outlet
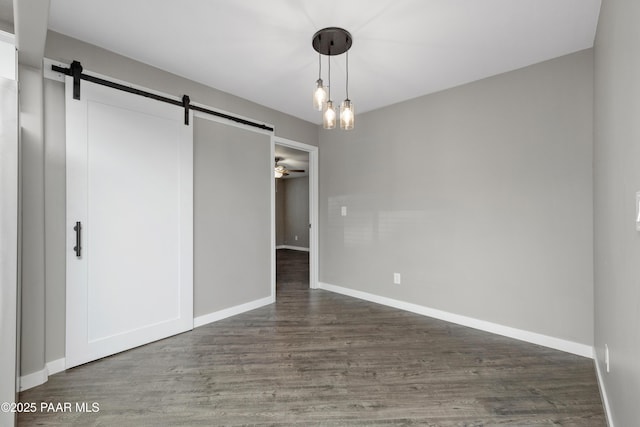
606 357
343 211
296 237
396 278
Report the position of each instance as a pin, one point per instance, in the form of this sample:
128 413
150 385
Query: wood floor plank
318 358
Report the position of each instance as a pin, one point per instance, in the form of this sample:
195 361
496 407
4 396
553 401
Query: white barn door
130 211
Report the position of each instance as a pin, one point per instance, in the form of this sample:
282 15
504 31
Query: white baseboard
603 391
293 248
56 366
34 379
532 337
42 376
232 311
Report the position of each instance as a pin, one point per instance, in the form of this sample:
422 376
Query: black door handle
77 248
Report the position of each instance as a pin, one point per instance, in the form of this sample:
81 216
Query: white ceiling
261 49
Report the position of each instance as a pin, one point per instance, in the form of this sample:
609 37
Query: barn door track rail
75 71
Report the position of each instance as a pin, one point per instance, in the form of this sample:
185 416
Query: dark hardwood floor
318 358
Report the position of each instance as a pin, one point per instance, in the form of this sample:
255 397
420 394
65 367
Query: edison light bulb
329 116
347 115
319 96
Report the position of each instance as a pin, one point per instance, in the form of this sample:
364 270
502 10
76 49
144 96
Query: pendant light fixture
332 41
329 114
320 94
347 114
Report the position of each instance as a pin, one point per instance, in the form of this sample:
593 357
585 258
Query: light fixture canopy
332 41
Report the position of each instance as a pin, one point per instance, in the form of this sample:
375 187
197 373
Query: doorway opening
294 227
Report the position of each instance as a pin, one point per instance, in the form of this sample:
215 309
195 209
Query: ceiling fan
281 170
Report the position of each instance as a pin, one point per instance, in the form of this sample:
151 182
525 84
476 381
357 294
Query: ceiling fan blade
295 170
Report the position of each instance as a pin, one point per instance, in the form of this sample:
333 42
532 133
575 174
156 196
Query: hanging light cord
347 80
319 66
329 56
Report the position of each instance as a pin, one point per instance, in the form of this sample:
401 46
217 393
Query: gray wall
292 212
55 218
44 203
6 26
232 221
33 251
480 196
297 212
280 189
617 179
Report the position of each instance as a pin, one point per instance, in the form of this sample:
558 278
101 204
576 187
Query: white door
130 189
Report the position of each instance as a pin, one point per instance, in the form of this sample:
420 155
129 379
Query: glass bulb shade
329 116
347 115
319 96
278 174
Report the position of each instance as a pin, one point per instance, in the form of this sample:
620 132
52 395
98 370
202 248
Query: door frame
10 236
312 150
